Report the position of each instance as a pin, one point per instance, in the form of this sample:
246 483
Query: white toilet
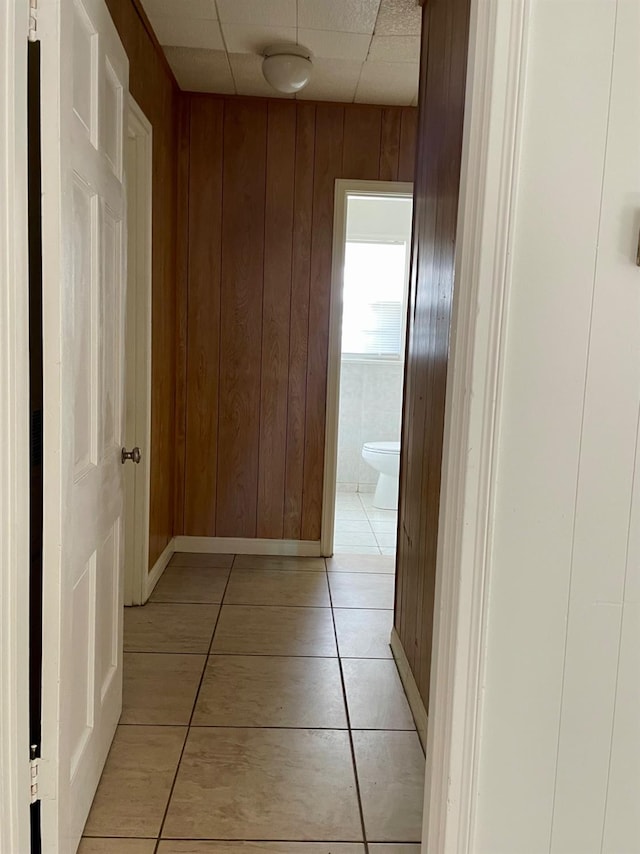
385 458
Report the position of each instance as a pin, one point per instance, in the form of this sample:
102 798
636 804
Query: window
373 313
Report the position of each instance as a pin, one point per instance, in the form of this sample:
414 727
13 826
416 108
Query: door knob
133 455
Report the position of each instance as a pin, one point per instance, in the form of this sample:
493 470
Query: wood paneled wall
256 228
436 189
153 87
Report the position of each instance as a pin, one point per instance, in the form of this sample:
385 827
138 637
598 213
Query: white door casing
343 188
84 103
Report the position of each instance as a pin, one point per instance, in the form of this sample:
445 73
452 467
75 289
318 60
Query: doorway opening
372 237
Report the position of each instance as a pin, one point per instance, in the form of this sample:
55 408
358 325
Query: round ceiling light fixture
287 67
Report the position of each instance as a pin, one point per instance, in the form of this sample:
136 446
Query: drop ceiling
366 51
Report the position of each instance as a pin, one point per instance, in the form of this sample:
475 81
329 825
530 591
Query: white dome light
287 67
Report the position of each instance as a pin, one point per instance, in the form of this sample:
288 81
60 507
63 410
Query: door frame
14 432
343 188
138 489
496 77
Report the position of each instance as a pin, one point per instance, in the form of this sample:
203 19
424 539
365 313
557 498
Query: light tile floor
262 712
361 528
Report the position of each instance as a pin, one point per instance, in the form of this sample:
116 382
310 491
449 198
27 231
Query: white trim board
246 546
343 187
155 573
495 82
410 687
14 433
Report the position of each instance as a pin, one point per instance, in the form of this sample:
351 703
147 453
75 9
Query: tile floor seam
193 709
346 707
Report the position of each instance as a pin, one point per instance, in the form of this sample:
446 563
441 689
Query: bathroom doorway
372 239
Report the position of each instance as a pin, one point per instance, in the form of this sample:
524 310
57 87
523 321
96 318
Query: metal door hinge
33 20
34 774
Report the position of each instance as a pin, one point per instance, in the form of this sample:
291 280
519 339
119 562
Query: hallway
253 687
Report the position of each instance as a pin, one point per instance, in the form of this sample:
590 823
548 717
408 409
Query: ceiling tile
329 44
349 16
199 70
251 38
332 80
268 13
387 83
399 18
188 32
395 49
247 74
181 8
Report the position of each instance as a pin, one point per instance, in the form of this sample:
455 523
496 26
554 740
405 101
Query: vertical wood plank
182 285
299 323
278 238
390 144
408 136
327 167
203 315
436 182
245 143
361 148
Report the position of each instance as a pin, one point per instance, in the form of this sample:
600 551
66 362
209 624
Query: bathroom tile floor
262 712
361 528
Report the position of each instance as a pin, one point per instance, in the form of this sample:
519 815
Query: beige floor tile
265 784
277 587
315 564
244 691
196 584
391 776
361 590
363 633
258 630
375 695
361 563
209 847
160 688
136 781
160 627
198 559
394 849
117 846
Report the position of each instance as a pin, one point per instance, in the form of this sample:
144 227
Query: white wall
370 411
558 761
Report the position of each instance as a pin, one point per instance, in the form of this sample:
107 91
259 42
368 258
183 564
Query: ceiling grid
364 51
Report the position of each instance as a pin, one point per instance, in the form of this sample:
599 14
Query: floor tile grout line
193 709
349 730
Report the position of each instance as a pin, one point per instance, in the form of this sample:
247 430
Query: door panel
85 84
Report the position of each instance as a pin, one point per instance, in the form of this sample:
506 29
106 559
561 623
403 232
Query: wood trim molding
246 546
14 432
495 82
410 687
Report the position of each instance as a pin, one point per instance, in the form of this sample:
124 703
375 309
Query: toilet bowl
384 457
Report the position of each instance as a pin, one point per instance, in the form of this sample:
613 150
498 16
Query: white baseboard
410 687
158 568
247 546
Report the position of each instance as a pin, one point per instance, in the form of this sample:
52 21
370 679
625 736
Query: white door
84 98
